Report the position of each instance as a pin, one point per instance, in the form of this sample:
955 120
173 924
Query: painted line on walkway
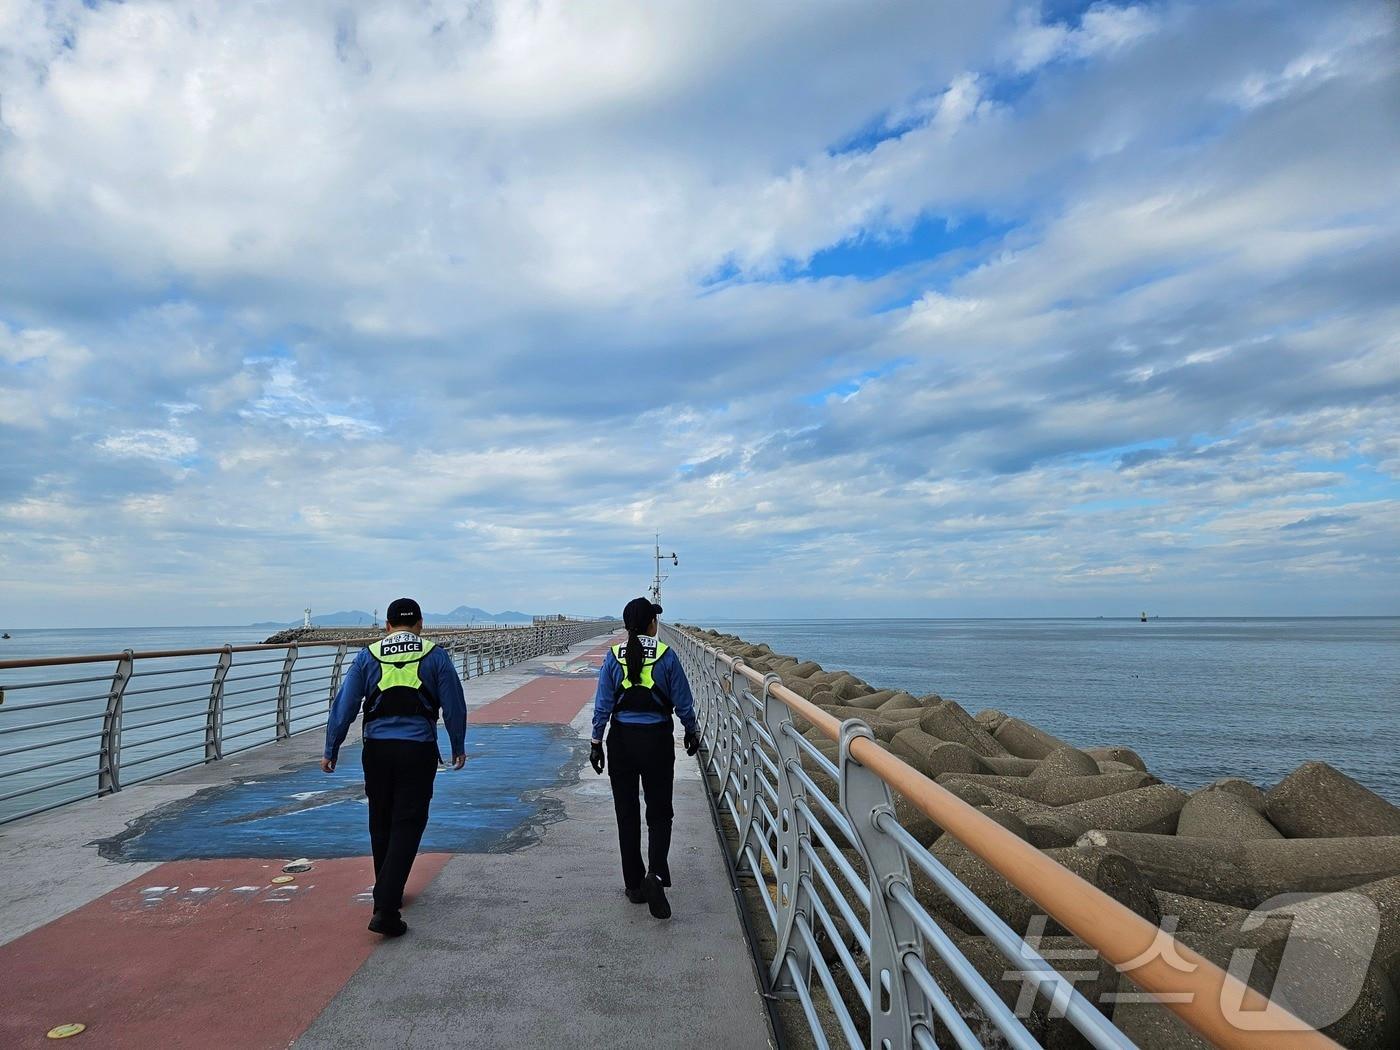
198 953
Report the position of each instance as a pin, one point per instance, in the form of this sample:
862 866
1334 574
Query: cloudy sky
870 307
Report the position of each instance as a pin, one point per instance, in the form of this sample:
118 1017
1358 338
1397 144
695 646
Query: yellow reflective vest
641 695
400 690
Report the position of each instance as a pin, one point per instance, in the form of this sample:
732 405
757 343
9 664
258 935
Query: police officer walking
640 684
404 682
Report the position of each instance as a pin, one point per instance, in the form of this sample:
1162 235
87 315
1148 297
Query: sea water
87 641
1197 698
51 717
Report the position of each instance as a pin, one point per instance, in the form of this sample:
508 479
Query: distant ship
5 635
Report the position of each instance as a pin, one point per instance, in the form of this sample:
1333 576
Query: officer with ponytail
640 685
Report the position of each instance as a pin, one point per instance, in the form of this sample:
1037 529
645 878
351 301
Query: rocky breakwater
1297 884
307 635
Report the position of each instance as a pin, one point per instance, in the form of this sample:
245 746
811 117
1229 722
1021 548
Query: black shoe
387 925
657 903
636 896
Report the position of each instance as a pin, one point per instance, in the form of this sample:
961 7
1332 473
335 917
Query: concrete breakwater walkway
161 915
1209 866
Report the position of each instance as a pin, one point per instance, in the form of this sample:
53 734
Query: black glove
595 757
692 743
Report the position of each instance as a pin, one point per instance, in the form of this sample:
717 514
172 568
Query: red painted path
553 700
197 953
541 700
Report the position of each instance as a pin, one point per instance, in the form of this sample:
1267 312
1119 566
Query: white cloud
286 399
530 276
150 444
1103 28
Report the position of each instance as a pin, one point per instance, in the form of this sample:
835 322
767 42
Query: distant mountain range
463 614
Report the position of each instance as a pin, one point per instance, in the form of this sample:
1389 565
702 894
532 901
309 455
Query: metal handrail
292 696
783 854
161 654
12 686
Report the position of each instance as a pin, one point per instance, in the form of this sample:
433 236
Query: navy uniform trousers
645 756
399 785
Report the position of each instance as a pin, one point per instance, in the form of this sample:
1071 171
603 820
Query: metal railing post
745 761
709 679
701 688
109 769
708 672
794 866
724 728
214 716
337 674
284 694
896 1002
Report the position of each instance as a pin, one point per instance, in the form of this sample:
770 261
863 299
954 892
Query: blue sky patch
869 255
851 385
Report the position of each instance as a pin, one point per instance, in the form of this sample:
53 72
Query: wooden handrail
1119 934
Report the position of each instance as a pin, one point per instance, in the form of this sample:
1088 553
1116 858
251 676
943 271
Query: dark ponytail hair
635 656
637 617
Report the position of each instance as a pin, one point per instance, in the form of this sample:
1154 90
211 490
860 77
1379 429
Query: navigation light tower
658 557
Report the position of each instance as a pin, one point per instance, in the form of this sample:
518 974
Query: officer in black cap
404 682
640 684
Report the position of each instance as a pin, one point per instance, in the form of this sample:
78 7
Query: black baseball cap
403 611
638 614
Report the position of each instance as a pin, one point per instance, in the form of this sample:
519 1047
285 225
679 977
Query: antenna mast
660 577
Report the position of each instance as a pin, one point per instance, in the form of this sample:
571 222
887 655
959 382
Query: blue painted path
485 807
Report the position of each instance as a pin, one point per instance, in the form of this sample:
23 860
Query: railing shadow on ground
75 727
846 945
